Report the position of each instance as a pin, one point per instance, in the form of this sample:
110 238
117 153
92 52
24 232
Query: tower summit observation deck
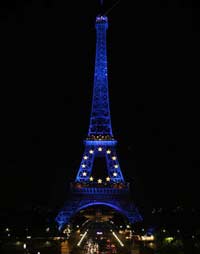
109 188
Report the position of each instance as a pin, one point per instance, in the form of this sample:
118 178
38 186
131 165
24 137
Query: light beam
83 236
119 241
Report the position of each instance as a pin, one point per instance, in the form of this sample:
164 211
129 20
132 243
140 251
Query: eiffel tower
105 185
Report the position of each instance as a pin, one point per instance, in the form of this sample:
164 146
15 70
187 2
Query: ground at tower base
173 231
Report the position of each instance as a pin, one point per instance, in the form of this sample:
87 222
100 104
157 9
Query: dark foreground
59 245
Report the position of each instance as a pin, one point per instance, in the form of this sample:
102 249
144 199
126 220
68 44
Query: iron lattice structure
87 191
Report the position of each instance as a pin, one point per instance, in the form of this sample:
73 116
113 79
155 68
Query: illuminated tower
109 187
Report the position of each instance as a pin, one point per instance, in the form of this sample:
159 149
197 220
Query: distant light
84 173
77 226
47 229
128 226
28 237
116 166
99 180
108 151
56 238
91 151
38 252
147 238
121 226
164 231
83 165
193 236
114 158
99 233
7 229
91 178
85 157
114 173
151 245
108 179
100 149
169 239
24 246
9 235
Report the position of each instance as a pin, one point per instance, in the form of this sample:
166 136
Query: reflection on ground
64 247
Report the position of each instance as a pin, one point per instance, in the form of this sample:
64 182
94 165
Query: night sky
48 52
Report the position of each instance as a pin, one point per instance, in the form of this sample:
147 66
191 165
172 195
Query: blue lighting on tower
110 190
100 141
100 121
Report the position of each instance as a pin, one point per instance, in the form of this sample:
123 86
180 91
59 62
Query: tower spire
100 120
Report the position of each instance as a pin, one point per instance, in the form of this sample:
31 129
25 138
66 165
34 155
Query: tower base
115 198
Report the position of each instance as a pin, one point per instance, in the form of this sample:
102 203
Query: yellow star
99 181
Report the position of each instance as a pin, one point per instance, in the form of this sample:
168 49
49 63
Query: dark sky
48 53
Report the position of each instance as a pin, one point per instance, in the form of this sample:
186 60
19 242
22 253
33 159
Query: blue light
129 211
100 142
100 136
100 120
